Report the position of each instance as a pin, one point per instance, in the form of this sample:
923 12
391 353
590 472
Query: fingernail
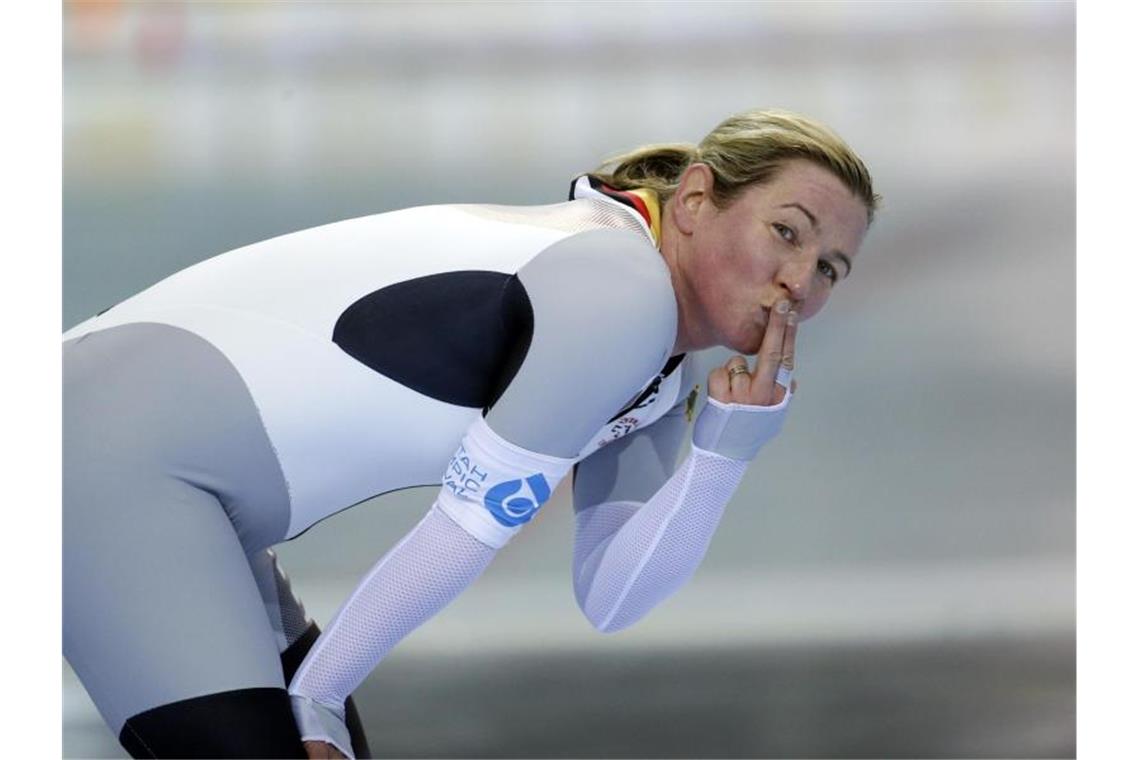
783 306
792 317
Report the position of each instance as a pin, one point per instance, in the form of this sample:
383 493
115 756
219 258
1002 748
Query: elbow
602 625
607 620
596 613
610 616
611 626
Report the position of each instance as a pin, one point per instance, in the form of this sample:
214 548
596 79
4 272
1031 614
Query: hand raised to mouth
735 383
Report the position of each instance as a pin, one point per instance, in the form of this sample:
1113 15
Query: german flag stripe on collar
642 200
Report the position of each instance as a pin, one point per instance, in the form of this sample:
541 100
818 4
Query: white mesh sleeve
413 581
490 489
628 557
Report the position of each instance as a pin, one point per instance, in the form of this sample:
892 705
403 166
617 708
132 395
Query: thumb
719 385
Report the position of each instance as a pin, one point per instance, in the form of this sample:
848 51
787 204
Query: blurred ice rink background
896 577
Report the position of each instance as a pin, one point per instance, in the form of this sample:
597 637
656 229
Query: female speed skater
488 350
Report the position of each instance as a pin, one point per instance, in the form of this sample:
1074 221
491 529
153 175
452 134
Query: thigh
163 620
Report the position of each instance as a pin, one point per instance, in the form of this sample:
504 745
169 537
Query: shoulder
606 254
612 281
604 321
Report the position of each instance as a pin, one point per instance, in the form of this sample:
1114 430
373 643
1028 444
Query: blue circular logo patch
511 510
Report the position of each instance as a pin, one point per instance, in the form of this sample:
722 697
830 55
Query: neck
673 250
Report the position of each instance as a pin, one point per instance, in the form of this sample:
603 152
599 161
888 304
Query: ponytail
657 167
745 149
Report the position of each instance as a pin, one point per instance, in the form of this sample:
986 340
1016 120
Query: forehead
838 210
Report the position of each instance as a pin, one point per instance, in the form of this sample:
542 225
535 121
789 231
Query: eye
786 232
828 271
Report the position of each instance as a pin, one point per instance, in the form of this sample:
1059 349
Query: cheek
750 274
729 274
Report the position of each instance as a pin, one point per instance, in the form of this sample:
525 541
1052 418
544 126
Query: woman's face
794 238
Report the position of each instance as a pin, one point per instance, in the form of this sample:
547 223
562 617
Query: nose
795 280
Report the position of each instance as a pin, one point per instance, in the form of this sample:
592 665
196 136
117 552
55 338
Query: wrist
317 721
738 431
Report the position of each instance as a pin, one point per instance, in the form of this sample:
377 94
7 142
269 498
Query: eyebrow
815 226
808 214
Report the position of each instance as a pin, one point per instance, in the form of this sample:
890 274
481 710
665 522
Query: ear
694 189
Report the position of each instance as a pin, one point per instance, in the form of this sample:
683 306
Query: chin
742 337
746 344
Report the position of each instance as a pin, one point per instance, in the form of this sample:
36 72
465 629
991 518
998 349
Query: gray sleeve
635 467
605 319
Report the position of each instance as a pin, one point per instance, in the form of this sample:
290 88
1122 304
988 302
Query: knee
255 722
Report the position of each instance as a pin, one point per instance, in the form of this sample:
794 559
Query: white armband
492 487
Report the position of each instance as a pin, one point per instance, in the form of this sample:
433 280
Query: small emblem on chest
619 429
691 402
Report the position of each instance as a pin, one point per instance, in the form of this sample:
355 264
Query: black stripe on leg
256 723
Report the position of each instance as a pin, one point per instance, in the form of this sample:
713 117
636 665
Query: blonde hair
744 149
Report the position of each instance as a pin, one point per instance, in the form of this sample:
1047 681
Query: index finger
789 358
768 359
